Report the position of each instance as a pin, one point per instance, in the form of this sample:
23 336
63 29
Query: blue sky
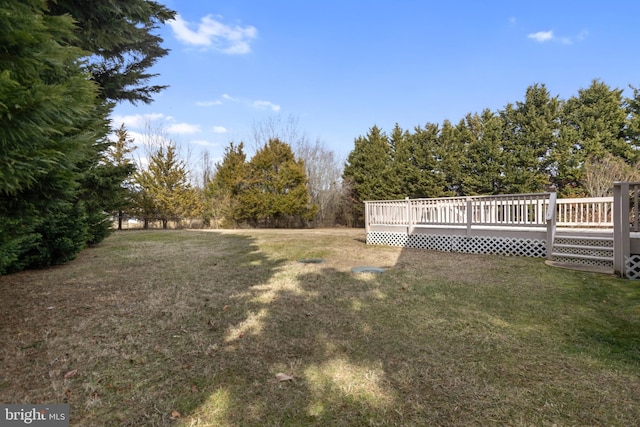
339 67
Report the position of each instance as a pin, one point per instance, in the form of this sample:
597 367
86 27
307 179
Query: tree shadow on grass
194 330
129 331
416 345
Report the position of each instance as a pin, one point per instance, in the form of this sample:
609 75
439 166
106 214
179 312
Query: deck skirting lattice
508 246
632 267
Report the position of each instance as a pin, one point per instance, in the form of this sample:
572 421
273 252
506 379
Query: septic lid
367 269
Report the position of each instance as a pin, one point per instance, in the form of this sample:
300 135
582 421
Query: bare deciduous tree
599 174
324 173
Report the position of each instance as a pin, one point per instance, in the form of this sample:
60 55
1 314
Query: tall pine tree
50 122
593 124
223 191
530 134
120 36
276 191
163 189
483 165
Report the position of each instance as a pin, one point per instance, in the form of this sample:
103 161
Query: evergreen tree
223 191
56 189
368 172
483 166
49 124
119 35
593 124
164 192
369 168
450 155
120 167
99 182
404 175
632 128
530 134
276 188
424 143
120 44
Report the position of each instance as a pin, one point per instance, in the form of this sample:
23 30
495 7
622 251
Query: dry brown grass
190 328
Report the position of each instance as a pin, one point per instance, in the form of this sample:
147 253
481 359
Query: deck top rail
510 210
518 210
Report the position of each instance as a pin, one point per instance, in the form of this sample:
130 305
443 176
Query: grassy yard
191 328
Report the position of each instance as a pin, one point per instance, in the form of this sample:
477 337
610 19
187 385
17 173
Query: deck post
469 215
409 219
366 217
551 224
621 229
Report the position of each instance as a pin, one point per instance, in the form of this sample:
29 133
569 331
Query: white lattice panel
387 238
602 253
476 245
428 241
632 267
584 242
583 261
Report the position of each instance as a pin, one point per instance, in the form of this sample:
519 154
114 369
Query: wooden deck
592 234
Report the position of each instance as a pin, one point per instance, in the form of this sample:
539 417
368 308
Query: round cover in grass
367 269
311 261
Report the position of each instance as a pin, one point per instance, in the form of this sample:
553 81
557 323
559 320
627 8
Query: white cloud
208 103
265 105
258 104
137 137
135 121
183 128
541 36
153 123
211 33
545 36
219 129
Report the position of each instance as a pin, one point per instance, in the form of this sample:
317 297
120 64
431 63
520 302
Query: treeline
579 146
281 185
63 66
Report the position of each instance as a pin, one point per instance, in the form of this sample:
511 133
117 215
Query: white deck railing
511 210
585 212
